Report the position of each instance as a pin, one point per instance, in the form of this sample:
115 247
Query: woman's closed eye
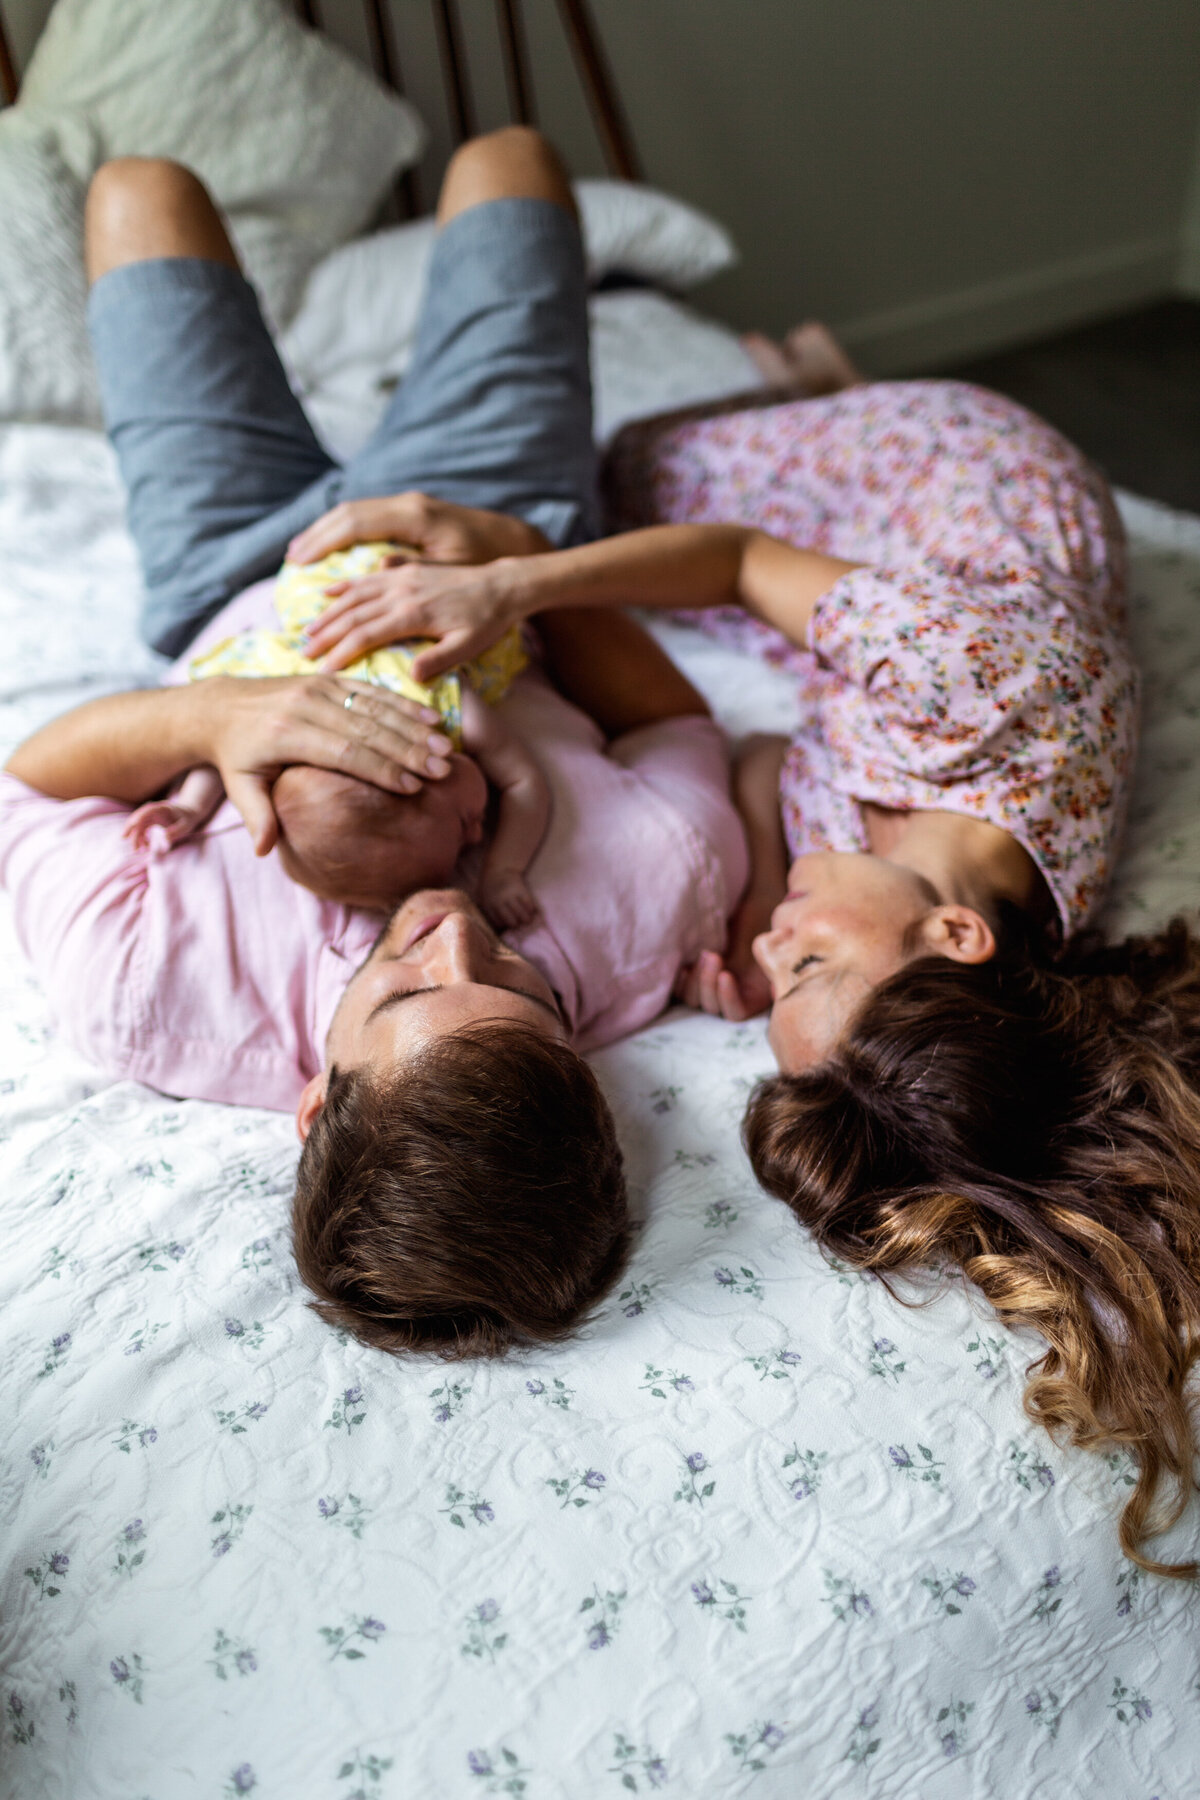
797 970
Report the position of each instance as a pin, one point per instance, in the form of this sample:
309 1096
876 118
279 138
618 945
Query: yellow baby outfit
300 598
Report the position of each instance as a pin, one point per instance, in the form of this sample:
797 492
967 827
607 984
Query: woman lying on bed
966 1075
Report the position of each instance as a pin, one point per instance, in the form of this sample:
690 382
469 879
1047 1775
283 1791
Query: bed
759 1528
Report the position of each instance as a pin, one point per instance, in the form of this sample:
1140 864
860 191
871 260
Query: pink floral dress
980 663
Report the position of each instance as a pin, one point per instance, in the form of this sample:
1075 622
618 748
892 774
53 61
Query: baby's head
348 841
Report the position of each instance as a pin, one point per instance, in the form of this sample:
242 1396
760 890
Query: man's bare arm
129 746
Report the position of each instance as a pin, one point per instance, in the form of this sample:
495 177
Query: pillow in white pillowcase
360 306
296 141
629 229
46 367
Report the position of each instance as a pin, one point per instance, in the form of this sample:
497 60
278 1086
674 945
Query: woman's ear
311 1102
960 933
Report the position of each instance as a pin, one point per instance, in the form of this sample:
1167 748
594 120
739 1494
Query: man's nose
458 948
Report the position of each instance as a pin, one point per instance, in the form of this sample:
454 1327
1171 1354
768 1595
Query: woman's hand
464 609
255 729
438 530
732 986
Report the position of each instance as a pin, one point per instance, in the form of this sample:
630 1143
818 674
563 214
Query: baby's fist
507 901
176 822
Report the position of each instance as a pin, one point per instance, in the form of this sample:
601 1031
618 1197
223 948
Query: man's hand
464 609
259 728
438 530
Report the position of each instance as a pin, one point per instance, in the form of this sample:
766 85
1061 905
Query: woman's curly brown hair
1039 1126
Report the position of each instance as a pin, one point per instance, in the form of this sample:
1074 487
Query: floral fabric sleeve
1006 701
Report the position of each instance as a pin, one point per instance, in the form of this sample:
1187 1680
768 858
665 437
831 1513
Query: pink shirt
208 974
980 664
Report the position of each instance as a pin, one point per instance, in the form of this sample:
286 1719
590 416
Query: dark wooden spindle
601 92
387 66
8 69
516 62
454 69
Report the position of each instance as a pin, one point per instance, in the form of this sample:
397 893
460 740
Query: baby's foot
809 363
176 822
507 901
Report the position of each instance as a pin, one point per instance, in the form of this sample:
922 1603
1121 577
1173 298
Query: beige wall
1189 255
23 19
934 176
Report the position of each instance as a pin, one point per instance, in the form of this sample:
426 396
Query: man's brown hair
472 1201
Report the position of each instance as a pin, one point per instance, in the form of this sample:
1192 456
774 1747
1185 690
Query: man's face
437 965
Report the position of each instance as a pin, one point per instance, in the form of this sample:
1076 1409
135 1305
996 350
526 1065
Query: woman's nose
768 947
772 940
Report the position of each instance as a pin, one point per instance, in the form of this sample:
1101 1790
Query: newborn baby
357 844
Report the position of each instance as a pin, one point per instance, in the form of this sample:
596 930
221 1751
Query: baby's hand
176 821
507 901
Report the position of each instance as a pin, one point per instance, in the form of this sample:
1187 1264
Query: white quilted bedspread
759 1529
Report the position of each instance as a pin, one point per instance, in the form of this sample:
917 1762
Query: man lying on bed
460 1187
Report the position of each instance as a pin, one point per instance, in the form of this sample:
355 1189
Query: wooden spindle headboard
595 74
8 69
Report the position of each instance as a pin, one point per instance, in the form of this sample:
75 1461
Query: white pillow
296 140
45 360
650 354
360 306
633 230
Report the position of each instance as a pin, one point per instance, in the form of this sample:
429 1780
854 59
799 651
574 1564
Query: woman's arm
676 566
129 746
667 566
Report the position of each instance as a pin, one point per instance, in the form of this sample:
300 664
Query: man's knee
148 206
515 162
143 183
510 143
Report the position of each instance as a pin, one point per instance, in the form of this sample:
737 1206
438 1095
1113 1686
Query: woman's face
840 930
